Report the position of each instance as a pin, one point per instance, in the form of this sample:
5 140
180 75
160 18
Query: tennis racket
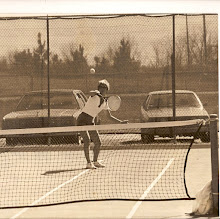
114 102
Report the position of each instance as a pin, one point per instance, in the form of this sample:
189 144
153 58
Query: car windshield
165 100
40 101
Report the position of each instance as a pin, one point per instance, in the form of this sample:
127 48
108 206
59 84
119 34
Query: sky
108 6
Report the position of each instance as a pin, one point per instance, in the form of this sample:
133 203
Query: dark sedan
32 111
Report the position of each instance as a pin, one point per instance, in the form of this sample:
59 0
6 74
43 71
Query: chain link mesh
133 52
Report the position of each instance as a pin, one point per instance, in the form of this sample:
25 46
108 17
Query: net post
48 76
214 161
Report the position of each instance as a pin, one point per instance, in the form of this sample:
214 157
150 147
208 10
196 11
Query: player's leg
84 119
94 135
97 143
86 140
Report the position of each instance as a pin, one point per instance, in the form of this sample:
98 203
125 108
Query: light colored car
158 107
32 111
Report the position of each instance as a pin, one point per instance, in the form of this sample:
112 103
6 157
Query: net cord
70 129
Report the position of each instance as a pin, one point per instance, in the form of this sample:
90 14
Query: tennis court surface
157 179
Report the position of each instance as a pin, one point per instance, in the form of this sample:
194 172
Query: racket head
114 102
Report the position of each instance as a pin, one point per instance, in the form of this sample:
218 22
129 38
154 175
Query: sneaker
98 164
90 166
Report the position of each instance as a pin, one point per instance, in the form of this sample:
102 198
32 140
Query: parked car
32 112
158 107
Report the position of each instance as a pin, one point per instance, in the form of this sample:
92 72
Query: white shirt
92 106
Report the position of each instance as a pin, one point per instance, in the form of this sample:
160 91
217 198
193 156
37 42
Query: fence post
48 76
173 61
214 161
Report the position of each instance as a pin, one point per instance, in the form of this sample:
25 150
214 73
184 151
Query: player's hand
124 121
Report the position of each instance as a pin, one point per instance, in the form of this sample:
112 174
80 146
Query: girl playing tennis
95 104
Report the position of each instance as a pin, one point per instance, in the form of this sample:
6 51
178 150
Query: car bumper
181 131
38 122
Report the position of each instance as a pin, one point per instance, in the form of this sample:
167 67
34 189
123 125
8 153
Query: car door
81 98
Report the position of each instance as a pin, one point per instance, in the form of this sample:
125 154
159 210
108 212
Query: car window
187 100
81 100
40 101
146 102
165 100
83 97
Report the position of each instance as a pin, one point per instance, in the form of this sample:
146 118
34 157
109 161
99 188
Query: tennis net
46 166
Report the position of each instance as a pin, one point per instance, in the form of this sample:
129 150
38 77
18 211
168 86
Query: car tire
146 138
68 139
205 137
11 141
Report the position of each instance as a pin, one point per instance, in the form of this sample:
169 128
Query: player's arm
115 119
92 93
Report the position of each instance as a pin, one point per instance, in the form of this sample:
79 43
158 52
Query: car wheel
205 137
11 141
70 139
147 138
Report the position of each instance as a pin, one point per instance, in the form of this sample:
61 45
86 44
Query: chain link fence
133 52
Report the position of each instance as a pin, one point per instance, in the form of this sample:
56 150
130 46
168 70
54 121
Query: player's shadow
60 171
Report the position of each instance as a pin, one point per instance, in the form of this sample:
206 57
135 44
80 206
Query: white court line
49 193
136 206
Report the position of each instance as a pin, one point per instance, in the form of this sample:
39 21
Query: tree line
118 60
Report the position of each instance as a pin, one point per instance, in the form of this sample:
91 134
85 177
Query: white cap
105 83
